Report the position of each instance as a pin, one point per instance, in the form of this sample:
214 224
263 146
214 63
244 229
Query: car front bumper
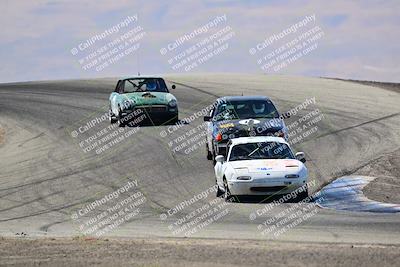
153 111
272 186
157 110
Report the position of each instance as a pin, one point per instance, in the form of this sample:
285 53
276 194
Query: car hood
150 98
267 165
259 124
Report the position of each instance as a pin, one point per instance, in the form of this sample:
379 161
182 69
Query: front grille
148 109
159 109
267 188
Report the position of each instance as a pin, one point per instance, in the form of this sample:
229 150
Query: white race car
261 165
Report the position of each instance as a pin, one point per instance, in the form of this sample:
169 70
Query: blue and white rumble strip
345 193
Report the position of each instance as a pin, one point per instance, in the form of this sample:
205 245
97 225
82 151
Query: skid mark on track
345 193
46 227
359 125
30 139
195 88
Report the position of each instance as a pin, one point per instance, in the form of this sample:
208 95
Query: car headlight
245 178
292 176
228 136
172 103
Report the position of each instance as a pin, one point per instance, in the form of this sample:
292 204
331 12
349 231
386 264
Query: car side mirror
301 156
173 86
207 118
220 158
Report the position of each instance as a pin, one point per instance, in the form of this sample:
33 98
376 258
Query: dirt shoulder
386 187
189 252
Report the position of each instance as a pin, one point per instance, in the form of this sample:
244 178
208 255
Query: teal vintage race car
142 96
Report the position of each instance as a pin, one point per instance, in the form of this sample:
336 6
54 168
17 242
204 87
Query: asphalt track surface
46 177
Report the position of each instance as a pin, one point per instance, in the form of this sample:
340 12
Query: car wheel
174 119
213 155
213 159
113 119
220 193
121 122
209 154
227 193
303 195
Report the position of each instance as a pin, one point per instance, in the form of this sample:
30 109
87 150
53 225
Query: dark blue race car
241 116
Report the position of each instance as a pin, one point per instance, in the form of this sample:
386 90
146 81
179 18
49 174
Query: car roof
257 139
245 98
140 77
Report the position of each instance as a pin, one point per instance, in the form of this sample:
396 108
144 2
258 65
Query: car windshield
145 85
265 150
246 109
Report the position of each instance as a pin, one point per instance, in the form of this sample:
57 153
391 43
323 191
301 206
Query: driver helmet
151 85
240 152
258 108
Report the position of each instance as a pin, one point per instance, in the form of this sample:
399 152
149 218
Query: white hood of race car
267 165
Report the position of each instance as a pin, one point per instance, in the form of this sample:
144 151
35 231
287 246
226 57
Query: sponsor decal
264 169
249 122
148 95
226 125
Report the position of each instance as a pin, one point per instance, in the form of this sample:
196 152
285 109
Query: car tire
220 193
121 122
213 155
303 195
113 119
209 154
174 120
227 194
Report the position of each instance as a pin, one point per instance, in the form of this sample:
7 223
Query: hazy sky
360 38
